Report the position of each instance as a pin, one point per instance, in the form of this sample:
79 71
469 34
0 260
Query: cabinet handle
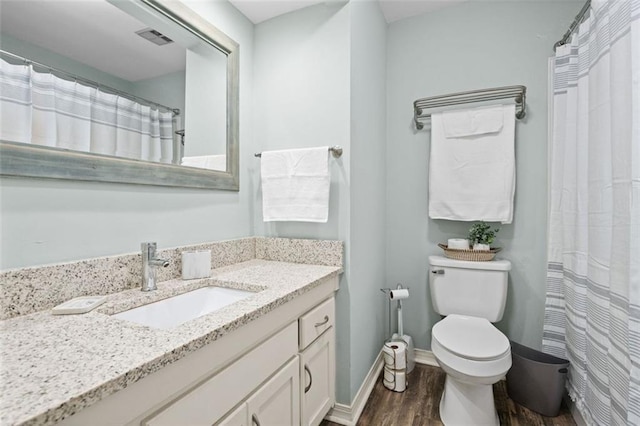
254 419
326 320
437 271
306 389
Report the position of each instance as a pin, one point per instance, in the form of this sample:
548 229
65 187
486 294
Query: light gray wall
368 183
206 86
46 221
301 99
166 90
470 46
320 80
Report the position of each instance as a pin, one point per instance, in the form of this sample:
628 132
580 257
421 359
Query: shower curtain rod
577 21
91 83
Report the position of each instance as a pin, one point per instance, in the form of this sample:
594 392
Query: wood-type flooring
418 405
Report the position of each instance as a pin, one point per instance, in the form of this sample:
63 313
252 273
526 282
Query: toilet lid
470 337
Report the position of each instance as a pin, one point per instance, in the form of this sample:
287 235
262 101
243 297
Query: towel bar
519 94
336 151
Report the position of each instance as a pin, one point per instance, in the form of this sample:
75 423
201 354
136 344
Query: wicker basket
472 255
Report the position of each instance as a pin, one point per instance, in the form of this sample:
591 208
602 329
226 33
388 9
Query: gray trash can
536 380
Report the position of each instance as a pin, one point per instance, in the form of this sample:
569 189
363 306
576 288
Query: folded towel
295 185
211 162
469 122
472 177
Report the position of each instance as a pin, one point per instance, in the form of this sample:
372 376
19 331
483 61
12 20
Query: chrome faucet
149 264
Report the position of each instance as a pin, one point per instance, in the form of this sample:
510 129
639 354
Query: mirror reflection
89 77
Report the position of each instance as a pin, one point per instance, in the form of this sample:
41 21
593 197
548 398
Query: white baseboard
348 415
425 357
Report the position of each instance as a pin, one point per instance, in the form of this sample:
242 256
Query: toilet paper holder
388 290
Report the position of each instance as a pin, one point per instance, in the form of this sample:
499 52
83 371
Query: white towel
470 122
211 162
472 171
295 185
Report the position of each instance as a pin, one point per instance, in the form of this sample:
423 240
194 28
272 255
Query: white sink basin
171 312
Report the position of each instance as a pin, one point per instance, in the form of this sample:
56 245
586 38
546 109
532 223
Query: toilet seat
471 349
471 338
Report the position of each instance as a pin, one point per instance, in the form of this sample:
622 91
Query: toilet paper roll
399 294
458 244
395 380
395 355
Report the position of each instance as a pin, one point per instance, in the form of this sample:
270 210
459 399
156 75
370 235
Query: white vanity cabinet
239 417
210 400
256 375
303 391
318 372
317 363
276 403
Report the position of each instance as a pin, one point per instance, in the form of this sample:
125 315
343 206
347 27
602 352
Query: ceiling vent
155 37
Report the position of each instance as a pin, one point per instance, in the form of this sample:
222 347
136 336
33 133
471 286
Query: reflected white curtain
43 109
592 314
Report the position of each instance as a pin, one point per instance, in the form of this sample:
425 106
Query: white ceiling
261 10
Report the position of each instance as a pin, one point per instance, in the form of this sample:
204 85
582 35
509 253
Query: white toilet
472 352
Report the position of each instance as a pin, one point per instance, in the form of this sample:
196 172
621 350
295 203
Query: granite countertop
55 365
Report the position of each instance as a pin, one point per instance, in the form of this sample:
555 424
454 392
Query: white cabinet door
239 417
277 402
210 400
317 372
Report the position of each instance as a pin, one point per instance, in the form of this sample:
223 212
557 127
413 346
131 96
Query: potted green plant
481 236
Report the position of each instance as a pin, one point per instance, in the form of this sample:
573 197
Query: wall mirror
130 91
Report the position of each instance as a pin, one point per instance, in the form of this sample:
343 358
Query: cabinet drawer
315 322
208 402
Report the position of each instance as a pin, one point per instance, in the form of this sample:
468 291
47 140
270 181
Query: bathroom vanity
266 359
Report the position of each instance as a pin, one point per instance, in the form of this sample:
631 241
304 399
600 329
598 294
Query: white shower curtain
43 109
592 314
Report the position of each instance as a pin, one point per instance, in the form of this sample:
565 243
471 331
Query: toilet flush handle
437 271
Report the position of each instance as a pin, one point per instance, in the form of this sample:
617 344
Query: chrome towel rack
336 151
519 93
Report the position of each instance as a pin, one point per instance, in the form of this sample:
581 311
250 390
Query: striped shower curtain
43 109
592 314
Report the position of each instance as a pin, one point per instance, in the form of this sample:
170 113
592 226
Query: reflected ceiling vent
154 36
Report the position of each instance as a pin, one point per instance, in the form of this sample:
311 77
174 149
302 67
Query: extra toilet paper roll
389 375
395 355
399 294
394 380
458 244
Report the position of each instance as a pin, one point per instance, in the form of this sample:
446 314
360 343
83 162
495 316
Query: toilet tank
471 288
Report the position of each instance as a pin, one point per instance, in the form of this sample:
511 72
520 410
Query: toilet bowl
474 355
